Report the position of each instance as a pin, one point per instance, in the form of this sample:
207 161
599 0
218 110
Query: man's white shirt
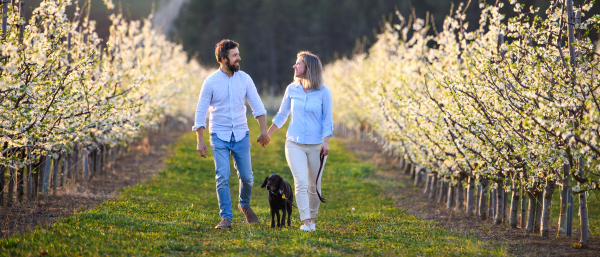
223 97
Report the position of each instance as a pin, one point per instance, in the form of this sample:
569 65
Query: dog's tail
317 181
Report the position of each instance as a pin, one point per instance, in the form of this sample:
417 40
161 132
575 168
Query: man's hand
201 148
263 139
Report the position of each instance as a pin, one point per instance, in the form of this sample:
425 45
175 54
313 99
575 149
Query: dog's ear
265 183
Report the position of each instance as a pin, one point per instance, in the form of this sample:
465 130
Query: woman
309 102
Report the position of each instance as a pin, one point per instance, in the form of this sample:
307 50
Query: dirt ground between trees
416 203
144 159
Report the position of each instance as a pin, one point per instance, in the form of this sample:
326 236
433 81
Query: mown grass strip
175 212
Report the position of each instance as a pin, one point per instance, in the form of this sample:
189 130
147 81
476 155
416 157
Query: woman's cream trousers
304 161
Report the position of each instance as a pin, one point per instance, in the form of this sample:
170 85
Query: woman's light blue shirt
311 112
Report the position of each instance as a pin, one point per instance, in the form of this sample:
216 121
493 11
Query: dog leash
317 182
290 202
285 198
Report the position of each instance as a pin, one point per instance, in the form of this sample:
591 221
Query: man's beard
233 67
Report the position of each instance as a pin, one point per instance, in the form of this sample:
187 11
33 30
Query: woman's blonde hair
314 71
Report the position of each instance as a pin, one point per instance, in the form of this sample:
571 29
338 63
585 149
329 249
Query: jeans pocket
211 139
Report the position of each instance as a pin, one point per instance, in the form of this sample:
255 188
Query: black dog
280 198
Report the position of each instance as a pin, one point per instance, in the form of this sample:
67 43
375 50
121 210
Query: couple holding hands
306 99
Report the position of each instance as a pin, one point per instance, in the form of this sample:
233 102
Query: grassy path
175 212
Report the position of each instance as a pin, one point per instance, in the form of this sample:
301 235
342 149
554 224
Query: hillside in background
271 32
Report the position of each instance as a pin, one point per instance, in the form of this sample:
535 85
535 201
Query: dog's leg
283 210
289 207
278 224
273 218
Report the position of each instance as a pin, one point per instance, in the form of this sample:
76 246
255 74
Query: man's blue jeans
241 159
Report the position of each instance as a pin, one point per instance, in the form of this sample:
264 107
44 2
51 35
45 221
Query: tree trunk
458 208
46 178
2 182
499 203
86 165
21 180
55 173
443 190
29 183
102 158
109 158
483 210
434 182
11 186
36 176
549 190
492 204
402 167
506 209
418 176
538 210
20 184
583 214
40 174
531 213
94 169
63 170
450 196
564 196
69 173
75 162
523 208
471 200
427 177
407 167
477 198
514 206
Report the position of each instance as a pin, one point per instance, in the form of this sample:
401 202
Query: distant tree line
271 32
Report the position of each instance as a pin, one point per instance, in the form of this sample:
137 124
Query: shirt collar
223 73
297 84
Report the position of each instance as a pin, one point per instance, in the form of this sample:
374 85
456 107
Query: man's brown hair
222 48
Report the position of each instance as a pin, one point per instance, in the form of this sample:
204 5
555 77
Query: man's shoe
225 223
249 213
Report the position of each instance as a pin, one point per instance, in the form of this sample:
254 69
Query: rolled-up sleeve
202 108
327 113
284 110
258 108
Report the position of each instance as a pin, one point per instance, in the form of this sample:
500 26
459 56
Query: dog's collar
280 192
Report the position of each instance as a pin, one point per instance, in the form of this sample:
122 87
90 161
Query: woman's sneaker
305 228
312 226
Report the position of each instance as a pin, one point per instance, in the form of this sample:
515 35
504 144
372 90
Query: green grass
175 212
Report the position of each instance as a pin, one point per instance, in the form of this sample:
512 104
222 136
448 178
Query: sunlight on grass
175 212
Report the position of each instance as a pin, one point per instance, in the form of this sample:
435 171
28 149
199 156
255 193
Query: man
223 94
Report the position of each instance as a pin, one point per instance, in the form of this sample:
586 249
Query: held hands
325 148
201 148
263 139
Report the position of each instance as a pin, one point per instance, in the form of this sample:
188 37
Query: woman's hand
325 148
272 130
